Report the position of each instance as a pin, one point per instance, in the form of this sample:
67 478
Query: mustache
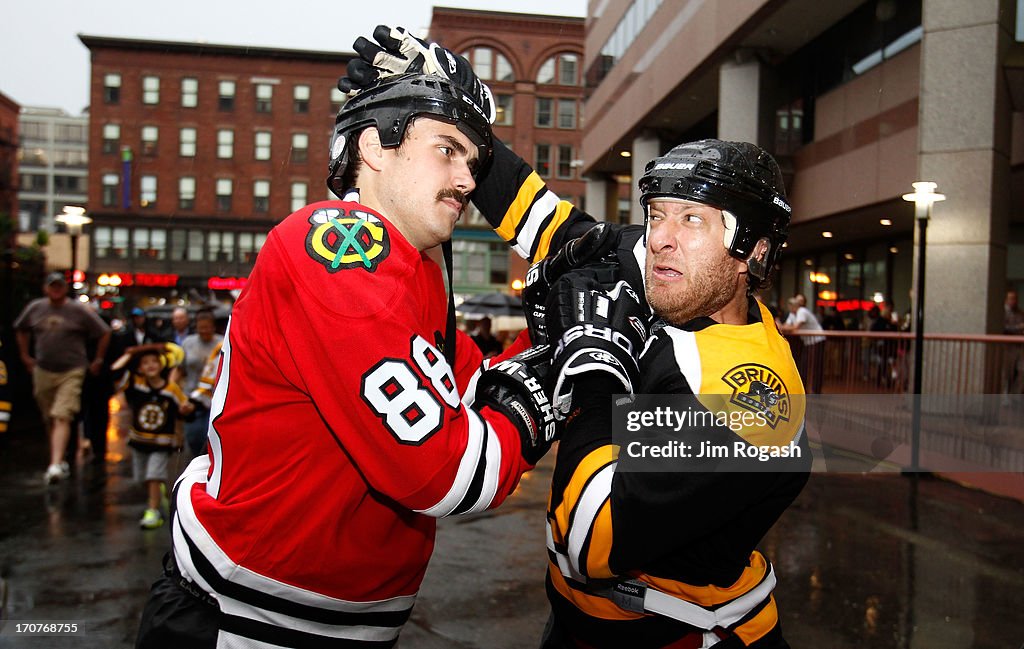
451 192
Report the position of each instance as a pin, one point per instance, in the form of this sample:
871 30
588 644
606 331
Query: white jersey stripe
232 606
471 459
541 210
594 495
684 345
491 470
220 392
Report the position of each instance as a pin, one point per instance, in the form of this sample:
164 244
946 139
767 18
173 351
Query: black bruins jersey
688 537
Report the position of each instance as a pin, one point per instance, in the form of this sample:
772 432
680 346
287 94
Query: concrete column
739 100
646 147
964 145
597 204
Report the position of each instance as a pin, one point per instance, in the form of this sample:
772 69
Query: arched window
562 69
490 64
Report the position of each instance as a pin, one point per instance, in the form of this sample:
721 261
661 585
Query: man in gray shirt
198 349
60 328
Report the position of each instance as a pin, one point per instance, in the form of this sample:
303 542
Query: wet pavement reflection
864 561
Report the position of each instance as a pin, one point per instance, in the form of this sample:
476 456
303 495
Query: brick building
532 64
197 150
8 155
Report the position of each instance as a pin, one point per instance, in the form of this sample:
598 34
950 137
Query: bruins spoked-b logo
760 390
341 239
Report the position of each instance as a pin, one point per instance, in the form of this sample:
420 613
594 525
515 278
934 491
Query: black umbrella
491 304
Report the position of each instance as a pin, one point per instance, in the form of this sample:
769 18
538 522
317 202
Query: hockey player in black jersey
663 559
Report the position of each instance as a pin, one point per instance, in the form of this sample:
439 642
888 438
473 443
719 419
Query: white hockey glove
399 52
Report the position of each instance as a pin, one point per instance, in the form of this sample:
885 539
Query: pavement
864 561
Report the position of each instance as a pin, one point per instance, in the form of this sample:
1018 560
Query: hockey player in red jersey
344 423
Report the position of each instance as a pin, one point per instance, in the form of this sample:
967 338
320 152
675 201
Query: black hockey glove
399 52
601 327
515 387
596 243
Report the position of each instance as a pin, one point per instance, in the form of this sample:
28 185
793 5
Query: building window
247 247
300 96
101 240
490 64
67 184
147 191
149 243
299 193
226 95
186 192
503 110
220 246
111 138
189 92
543 117
112 88
338 99
225 143
224 194
300 147
150 134
562 69
111 182
564 161
542 160
194 248
264 97
566 113
151 90
480 263
119 244
32 183
262 150
261 196
187 142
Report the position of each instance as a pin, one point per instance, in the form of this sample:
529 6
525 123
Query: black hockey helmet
739 178
391 103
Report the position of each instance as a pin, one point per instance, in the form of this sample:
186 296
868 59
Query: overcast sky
42 62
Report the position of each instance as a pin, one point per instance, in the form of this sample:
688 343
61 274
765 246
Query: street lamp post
923 197
74 219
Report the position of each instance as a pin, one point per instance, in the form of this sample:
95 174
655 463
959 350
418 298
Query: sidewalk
864 561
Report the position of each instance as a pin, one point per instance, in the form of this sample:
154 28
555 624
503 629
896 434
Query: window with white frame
262 148
189 92
300 147
149 243
543 116
542 160
111 138
561 69
566 113
150 134
247 247
186 192
220 246
224 187
150 90
264 97
489 64
225 143
187 142
261 196
194 247
226 95
338 99
300 99
112 88
503 110
565 158
111 184
299 193
147 191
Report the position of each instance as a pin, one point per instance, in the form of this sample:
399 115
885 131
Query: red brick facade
9 110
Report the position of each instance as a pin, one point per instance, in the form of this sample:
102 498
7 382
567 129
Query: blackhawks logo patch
341 239
760 390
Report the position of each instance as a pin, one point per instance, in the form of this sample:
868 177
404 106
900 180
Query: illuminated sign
227 283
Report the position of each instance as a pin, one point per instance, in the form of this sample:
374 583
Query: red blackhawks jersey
339 433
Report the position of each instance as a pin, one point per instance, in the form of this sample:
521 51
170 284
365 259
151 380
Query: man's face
1011 300
689 271
428 181
56 291
205 328
179 320
149 366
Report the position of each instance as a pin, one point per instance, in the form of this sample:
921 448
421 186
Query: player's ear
370 149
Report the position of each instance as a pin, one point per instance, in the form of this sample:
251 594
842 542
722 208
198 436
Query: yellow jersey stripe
562 212
520 206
